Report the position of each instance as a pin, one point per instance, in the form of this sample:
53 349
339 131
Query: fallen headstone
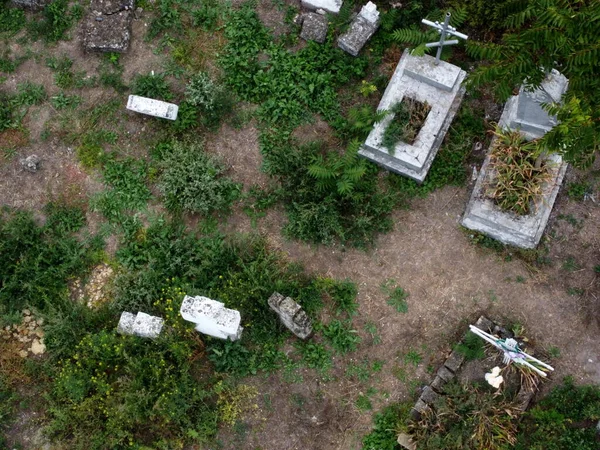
142 325
107 25
314 27
291 314
361 29
212 317
332 6
406 441
151 107
31 163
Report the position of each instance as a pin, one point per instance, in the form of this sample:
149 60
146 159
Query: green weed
30 94
413 357
152 86
341 336
396 296
472 346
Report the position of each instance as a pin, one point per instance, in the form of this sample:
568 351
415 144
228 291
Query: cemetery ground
108 219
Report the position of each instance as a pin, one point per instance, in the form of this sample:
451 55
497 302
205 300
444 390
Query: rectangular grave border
442 89
452 365
484 216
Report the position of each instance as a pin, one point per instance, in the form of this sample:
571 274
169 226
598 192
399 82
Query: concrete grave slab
314 27
332 6
152 107
361 29
211 317
415 160
107 27
291 314
484 216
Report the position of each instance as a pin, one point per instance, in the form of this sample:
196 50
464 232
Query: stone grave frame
440 86
482 214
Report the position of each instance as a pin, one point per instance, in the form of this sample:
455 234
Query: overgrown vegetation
519 173
409 117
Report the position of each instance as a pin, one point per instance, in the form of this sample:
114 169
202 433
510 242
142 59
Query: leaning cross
444 29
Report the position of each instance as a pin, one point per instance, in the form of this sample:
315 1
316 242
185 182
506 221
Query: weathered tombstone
291 314
361 29
142 325
332 6
107 25
427 81
406 441
522 112
211 317
152 107
31 163
314 27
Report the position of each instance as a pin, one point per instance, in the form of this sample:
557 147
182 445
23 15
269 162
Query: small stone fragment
454 361
429 396
31 163
291 314
26 312
406 441
23 353
38 347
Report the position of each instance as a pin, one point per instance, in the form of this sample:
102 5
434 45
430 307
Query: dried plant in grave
518 173
409 117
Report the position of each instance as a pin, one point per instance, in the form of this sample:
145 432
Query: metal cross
444 29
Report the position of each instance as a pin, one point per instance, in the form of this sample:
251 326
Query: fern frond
458 16
410 35
320 172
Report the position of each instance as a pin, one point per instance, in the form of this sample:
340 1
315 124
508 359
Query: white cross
444 29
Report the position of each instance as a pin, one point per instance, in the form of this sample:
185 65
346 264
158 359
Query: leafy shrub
38 260
341 336
11 19
201 91
187 117
152 86
565 419
57 20
388 423
30 94
207 15
168 17
128 190
194 181
116 391
7 113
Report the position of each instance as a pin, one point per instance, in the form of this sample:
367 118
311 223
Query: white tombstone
332 6
151 107
142 325
212 317
361 29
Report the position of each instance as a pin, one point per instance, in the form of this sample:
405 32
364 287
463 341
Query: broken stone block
38 347
107 26
421 408
147 326
361 29
445 374
142 325
30 4
406 441
332 6
291 314
151 107
485 324
31 163
126 321
429 396
454 361
438 384
211 317
314 27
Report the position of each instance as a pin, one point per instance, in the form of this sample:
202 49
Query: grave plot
514 193
422 99
476 395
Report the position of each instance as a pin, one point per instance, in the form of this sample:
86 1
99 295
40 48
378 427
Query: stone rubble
331 6
142 325
30 4
95 291
212 317
31 163
28 335
291 314
361 29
